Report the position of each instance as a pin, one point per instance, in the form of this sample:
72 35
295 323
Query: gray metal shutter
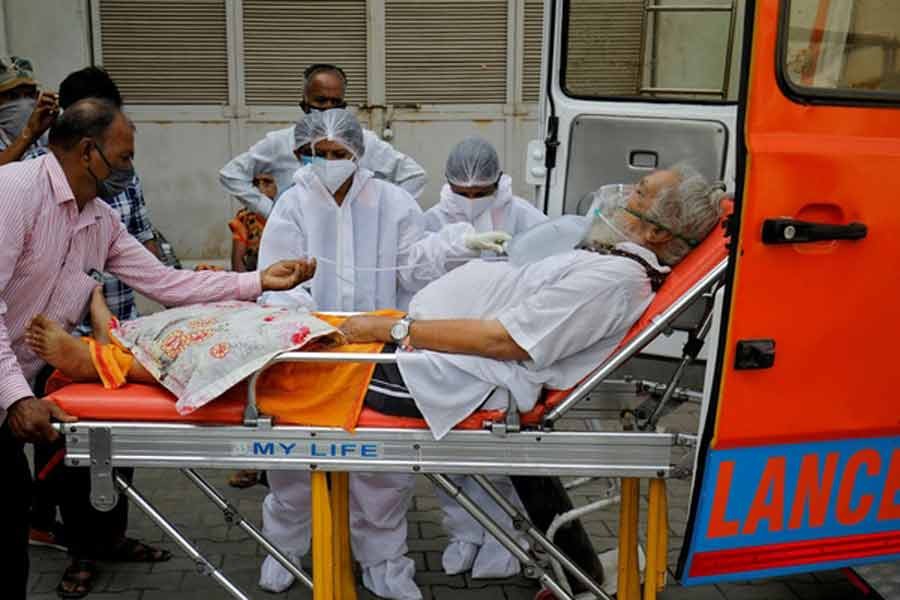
283 37
604 47
448 52
532 45
166 51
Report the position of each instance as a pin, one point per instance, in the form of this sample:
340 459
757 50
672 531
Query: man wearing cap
323 89
25 112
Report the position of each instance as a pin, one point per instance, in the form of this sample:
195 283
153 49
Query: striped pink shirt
47 248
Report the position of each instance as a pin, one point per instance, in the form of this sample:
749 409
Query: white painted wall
54 34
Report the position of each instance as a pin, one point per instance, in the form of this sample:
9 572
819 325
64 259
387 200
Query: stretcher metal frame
501 448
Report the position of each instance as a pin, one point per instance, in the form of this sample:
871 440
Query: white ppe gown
449 222
373 228
274 154
376 227
471 547
507 213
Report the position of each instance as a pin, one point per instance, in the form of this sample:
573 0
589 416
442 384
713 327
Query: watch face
398 331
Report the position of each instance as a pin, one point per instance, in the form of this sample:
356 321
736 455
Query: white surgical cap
335 125
473 163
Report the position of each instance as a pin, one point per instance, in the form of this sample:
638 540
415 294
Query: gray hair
689 209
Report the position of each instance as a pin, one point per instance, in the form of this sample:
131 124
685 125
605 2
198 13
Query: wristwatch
400 331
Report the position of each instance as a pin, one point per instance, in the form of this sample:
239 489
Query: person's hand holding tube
287 274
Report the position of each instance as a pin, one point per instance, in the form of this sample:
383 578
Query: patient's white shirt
568 311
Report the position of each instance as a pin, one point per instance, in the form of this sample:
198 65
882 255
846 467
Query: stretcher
137 426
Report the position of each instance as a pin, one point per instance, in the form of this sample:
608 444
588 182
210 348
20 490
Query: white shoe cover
392 579
458 557
494 561
609 560
275 578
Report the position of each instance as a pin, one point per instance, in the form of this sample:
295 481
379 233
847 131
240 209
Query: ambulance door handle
791 231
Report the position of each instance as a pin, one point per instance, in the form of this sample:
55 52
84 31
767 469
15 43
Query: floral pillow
198 352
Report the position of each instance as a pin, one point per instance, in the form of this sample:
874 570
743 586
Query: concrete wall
54 34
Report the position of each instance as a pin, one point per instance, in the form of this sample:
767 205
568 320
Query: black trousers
45 495
387 391
14 503
89 533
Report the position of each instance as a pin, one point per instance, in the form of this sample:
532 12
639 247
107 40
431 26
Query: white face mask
333 173
472 207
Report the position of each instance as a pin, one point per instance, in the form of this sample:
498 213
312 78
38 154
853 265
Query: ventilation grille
166 51
283 37
449 52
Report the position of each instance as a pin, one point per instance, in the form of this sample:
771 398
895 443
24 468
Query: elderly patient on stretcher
487 335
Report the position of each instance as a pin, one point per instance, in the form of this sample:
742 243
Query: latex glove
489 240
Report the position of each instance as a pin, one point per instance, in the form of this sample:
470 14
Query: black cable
551 141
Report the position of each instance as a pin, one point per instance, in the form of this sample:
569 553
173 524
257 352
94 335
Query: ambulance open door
799 465
630 87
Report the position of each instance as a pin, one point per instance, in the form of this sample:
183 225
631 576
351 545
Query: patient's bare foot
61 350
100 316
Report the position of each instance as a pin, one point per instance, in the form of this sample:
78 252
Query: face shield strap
639 215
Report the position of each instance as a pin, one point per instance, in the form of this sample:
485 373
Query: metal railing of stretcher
502 447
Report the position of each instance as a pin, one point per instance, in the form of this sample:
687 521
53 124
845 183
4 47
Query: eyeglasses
474 193
324 105
336 154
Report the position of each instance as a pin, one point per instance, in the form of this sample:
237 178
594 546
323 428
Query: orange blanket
317 394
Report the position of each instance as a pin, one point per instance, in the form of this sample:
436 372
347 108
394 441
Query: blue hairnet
472 163
335 125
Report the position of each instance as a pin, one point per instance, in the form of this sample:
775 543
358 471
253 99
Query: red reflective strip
57 458
857 581
774 556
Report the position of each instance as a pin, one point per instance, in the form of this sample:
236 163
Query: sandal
78 579
243 479
132 550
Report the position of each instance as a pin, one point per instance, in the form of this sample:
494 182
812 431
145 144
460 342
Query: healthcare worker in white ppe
324 88
477 193
338 212
360 230
477 198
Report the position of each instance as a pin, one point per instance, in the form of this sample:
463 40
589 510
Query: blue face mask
309 160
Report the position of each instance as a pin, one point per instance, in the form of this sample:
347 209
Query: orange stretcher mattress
136 402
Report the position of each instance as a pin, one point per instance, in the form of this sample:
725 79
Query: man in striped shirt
53 233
